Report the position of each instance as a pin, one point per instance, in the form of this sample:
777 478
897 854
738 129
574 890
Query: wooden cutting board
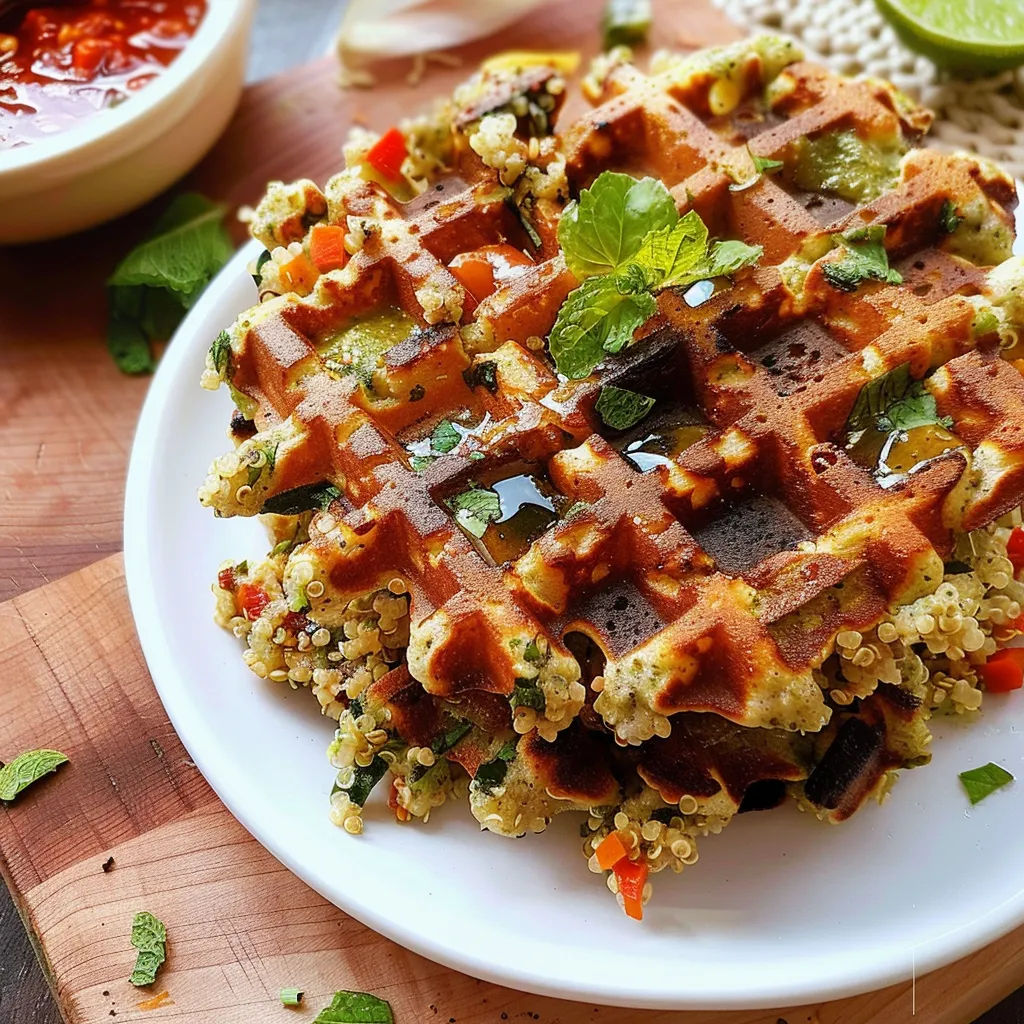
72 674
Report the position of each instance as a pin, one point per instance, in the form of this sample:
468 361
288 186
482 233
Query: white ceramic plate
781 910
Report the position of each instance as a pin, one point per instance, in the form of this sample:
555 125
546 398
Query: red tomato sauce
61 64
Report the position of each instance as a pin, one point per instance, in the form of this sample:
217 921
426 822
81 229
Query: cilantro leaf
28 768
764 164
865 259
291 996
596 318
153 286
982 782
301 499
149 937
475 509
949 218
607 225
355 1008
445 437
621 408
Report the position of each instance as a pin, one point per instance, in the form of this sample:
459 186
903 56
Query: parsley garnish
26 769
355 1008
620 408
157 282
865 259
949 218
475 509
625 240
149 937
302 499
982 782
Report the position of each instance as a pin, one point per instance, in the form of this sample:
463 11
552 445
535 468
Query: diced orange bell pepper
387 153
483 270
1004 671
1015 548
327 247
610 851
632 877
299 274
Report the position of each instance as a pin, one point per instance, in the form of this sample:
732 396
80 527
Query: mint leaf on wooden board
475 509
620 408
601 231
28 768
149 937
159 280
865 259
982 782
355 1008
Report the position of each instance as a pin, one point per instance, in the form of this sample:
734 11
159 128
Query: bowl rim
222 18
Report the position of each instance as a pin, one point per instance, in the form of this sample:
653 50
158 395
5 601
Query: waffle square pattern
659 467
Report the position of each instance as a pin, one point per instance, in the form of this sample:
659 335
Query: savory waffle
767 585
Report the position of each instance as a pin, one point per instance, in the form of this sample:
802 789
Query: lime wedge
962 35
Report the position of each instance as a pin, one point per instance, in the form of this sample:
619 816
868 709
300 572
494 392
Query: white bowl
120 157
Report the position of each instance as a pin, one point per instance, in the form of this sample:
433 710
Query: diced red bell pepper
226 579
387 153
295 622
252 599
89 54
1015 548
327 247
632 877
1004 671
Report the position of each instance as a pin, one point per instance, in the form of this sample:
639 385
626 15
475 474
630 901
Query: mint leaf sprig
864 259
625 241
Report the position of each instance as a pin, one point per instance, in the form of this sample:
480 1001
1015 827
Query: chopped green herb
576 506
443 743
765 165
955 567
26 769
355 1008
299 601
420 462
291 996
526 694
445 437
626 23
982 782
894 401
255 472
220 353
620 408
949 218
865 259
475 509
532 652
156 283
482 374
492 773
363 780
149 937
476 456
916 409
302 499
242 568
261 262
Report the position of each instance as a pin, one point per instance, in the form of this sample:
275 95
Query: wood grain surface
72 675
